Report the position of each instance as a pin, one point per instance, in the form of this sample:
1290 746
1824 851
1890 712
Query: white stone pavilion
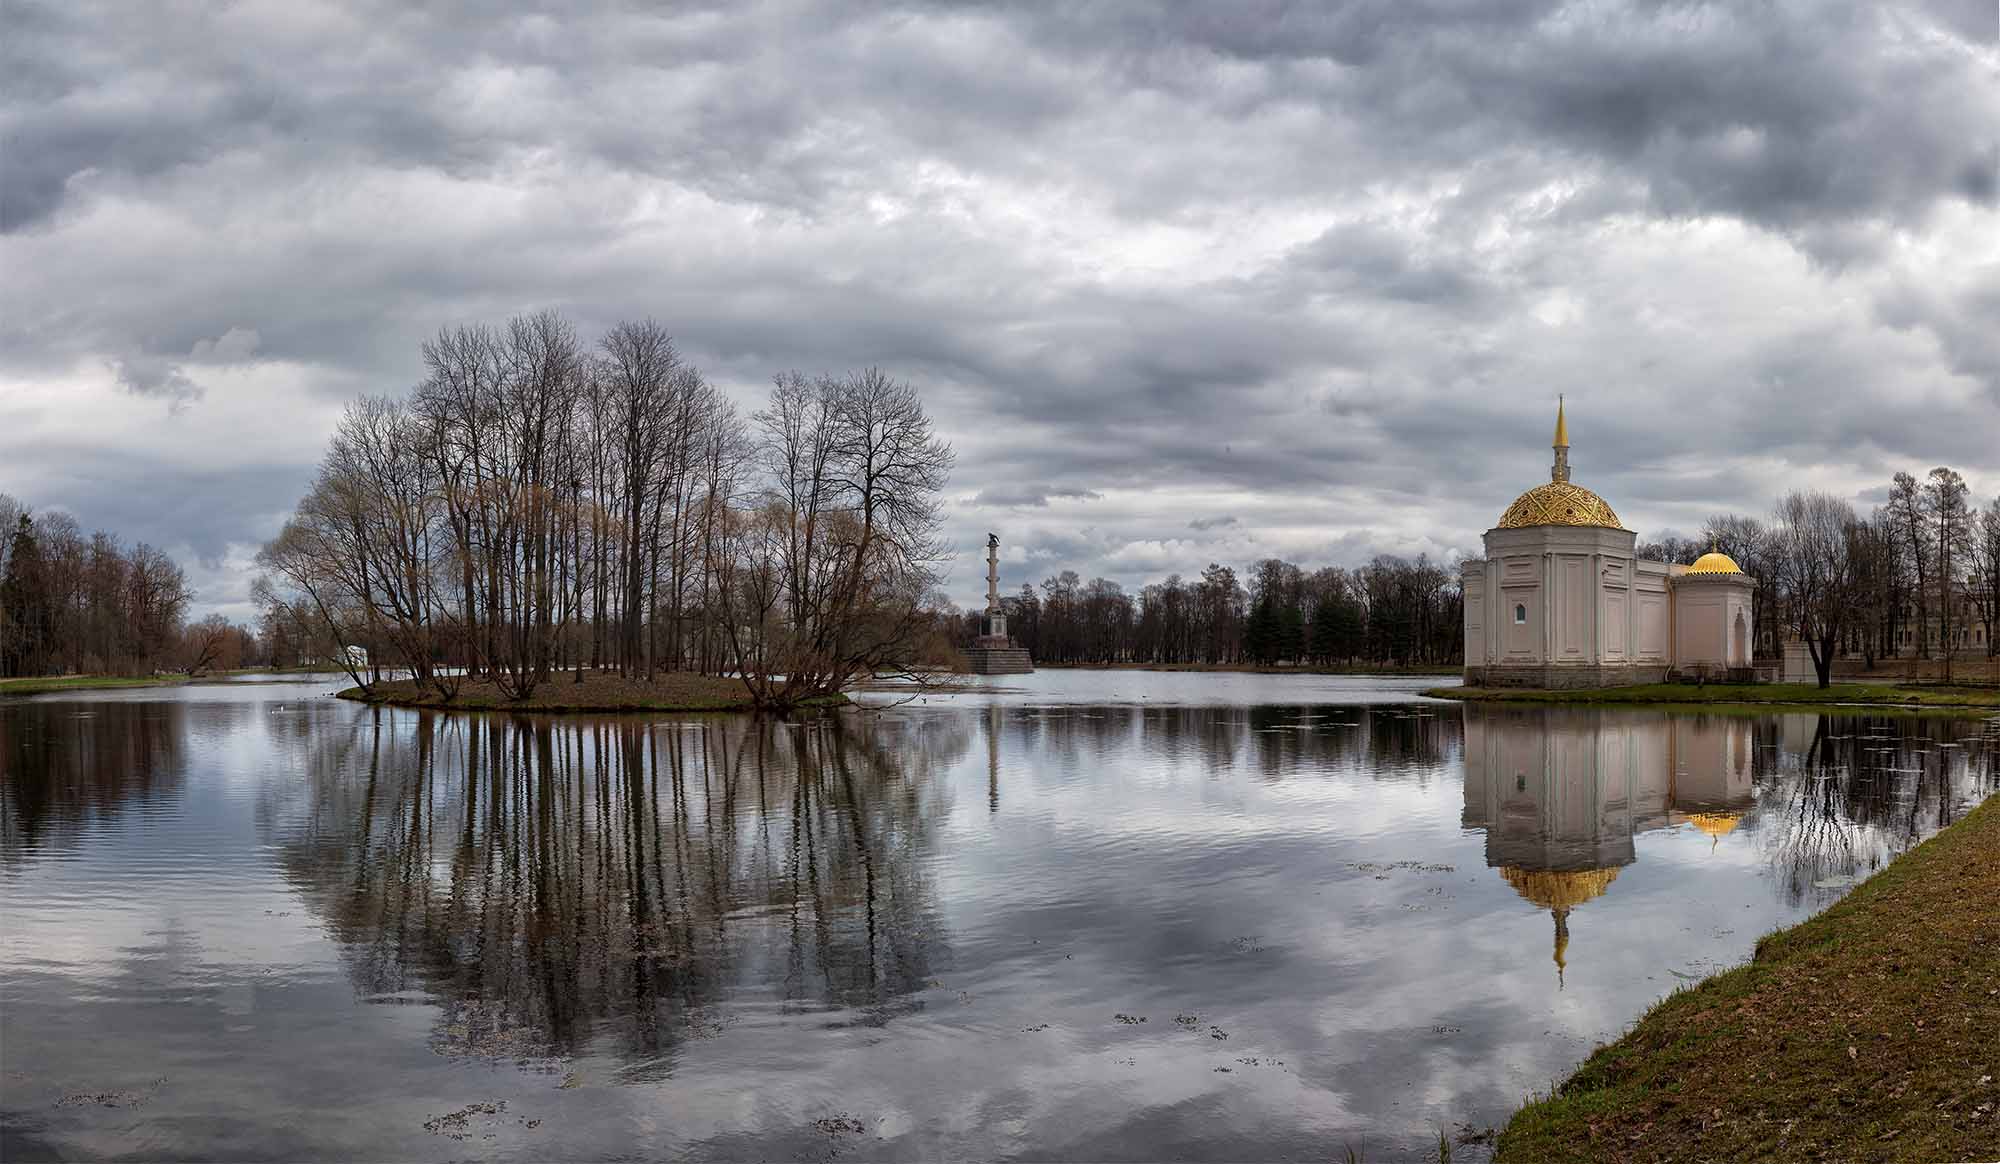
1561 601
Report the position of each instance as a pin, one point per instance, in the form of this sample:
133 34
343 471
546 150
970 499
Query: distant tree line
539 506
1915 578
1391 611
71 604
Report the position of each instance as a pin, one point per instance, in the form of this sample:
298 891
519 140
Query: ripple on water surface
1072 914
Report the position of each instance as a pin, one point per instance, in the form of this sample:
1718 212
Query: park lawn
1869 1032
43 684
601 691
1871 694
1261 668
37 685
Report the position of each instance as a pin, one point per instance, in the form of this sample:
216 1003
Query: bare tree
1985 559
829 573
203 645
1905 513
1944 503
1815 568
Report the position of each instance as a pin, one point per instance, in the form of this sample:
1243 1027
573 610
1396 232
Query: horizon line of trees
76 604
537 506
1390 612
1914 577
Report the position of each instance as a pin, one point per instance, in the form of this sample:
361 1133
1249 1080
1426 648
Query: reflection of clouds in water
925 920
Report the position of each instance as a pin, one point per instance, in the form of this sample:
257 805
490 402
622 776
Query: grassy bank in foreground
597 692
1870 1032
1879 694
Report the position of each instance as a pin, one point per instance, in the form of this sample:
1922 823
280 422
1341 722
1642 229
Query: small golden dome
1715 562
1558 503
1558 890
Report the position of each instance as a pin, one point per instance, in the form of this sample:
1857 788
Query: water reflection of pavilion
1561 794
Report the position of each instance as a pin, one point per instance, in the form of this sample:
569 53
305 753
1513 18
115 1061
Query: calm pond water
1111 915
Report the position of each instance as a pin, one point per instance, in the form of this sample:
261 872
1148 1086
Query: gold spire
1559 472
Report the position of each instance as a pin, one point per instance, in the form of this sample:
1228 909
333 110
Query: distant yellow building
1562 600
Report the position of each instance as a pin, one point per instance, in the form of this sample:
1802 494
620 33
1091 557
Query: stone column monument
994 653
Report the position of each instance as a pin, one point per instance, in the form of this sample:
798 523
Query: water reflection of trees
1273 742
557 883
1843 795
1560 794
64 765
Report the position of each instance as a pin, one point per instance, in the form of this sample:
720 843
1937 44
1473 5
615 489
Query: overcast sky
1206 282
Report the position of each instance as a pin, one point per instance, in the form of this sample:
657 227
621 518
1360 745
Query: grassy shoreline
44 684
1252 669
600 693
1871 1031
1740 694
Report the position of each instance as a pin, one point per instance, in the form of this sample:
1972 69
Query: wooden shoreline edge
1868 1031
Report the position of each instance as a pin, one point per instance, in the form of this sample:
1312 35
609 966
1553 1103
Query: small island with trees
546 525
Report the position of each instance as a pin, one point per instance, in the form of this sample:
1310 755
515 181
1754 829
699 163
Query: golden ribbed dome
1715 562
1557 890
1558 503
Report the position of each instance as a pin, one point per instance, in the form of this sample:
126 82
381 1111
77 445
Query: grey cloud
231 347
1320 269
145 374
153 376
1020 496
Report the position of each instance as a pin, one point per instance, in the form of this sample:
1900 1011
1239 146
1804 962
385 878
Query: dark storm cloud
1181 283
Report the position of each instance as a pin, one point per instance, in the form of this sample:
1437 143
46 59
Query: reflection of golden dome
1552 890
1715 562
1715 824
1558 503
1559 892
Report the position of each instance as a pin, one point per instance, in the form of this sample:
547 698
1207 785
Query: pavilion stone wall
1712 620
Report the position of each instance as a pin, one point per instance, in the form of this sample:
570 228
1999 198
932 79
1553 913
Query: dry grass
599 691
1870 1032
